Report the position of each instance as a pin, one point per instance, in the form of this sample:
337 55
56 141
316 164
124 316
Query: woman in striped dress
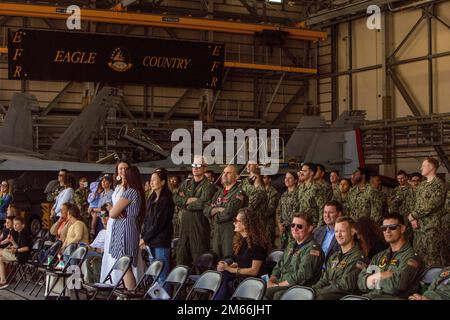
129 213
107 260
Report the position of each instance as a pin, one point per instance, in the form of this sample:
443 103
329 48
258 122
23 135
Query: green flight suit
340 277
439 289
365 202
407 268
287 206
194 226
270 213
429 210
223 228
300 265
310 198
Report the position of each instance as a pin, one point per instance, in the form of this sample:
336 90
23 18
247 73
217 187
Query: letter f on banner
74 21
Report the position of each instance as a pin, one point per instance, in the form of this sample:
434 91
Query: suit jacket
319 236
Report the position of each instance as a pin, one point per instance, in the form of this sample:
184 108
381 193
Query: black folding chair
208 284
76 259
299 293
250 289
150 276
49 258
206 261
123 264
353 297
275 256
271 261
174 281
42 270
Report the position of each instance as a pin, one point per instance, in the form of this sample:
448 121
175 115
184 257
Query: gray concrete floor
19 294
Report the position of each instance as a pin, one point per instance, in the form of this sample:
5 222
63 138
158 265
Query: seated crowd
341 238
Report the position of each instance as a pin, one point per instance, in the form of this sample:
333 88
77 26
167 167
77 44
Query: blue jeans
162 254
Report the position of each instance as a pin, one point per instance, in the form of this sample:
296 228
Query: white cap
199 161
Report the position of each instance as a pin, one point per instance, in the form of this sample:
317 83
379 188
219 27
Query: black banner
57 55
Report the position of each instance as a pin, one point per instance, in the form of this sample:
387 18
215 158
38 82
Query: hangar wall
367 81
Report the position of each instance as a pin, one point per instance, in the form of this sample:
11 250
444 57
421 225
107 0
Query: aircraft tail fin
74 143
17 128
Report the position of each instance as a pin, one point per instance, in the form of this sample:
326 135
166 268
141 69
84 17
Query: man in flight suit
395 272
191 198
222 210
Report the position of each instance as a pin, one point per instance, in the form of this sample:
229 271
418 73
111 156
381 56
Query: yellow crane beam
155 20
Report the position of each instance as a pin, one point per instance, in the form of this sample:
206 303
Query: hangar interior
399 74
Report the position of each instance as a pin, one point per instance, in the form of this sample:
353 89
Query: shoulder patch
445 274
413 263
315 253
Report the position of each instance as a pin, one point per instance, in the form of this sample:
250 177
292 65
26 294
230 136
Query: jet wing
17 162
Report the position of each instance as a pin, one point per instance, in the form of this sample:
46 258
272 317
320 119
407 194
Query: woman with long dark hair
108 260
250 246
370 237
158 227
129 213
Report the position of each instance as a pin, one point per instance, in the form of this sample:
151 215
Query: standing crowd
341 237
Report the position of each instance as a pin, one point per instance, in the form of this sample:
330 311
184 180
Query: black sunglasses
391 227
299 226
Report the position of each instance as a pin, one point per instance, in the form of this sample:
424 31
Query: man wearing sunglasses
395 272
302 260
51 196
192 198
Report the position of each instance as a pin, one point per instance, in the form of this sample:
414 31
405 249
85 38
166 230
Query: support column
386 91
